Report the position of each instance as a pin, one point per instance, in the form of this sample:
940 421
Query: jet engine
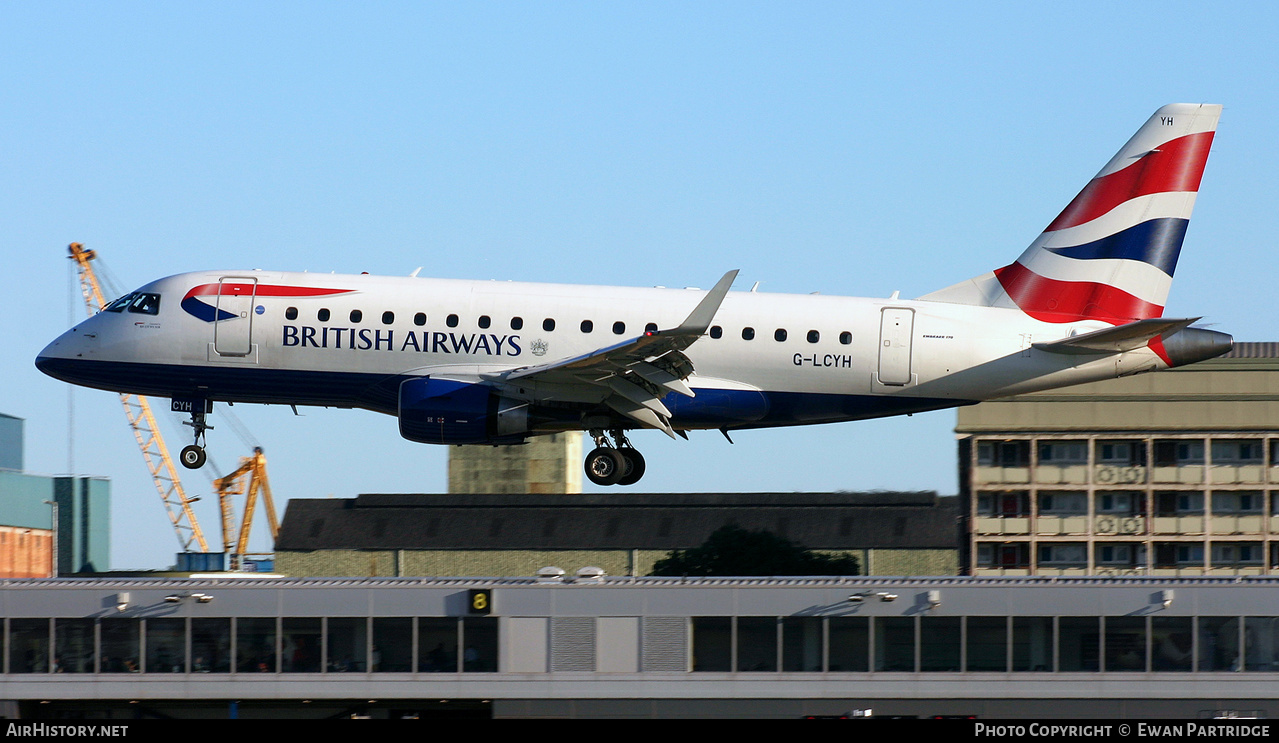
442 411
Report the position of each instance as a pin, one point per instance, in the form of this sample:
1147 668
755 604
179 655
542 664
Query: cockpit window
145 304
121 303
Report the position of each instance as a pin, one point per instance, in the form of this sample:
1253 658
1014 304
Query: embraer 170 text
482 362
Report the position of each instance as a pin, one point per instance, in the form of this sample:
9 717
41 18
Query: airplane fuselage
768 359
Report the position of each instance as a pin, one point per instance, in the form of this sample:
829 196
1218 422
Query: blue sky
846 148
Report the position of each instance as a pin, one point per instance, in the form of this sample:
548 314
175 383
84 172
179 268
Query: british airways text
422 341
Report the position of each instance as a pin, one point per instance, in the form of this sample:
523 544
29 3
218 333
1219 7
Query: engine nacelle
441 411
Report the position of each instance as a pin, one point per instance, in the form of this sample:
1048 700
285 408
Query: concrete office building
545 464
1173 473
26 516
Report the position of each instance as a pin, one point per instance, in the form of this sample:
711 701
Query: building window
1063 503
437 645
712 644
1063 555
1063 452
1177 453
1241 451
1226 502
802 646
1118 502
1121 453
756 644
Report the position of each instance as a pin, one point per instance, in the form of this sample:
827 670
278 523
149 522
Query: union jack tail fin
1110 255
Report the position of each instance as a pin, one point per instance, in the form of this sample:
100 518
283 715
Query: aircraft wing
632 376
1117 339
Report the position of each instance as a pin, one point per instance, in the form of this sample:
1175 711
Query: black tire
634 469
605 466
193 457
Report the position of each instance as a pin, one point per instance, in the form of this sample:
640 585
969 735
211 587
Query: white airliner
482 362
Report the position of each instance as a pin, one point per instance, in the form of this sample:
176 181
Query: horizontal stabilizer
1117 339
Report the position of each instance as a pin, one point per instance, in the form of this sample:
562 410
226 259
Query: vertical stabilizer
1111 253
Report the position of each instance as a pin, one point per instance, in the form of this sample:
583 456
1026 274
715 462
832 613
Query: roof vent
590 574
550 574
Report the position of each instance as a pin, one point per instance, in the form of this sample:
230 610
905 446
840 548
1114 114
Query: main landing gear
193 456
616 463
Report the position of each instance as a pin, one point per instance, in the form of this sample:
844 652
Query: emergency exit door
896 328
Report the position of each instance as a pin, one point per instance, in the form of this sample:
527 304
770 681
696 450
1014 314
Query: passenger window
748 334
813 336
322 315
650 328
517 323
779 335
548 324
846 337
291 313
619 328
419 318
356 316
717 332
451 321
146 304
485 321
388 317
587 326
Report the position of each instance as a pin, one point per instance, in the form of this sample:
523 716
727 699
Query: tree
732 550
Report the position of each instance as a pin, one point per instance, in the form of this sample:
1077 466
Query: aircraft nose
60 356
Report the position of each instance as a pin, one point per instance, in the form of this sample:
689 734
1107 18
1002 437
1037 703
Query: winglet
700 318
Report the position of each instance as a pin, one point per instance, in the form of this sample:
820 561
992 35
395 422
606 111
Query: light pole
54 503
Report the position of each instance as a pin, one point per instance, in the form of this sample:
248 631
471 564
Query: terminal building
600 647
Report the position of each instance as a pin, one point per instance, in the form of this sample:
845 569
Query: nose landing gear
615 463
193 457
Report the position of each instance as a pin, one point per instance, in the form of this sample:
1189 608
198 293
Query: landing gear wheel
605 466
634 469
193 457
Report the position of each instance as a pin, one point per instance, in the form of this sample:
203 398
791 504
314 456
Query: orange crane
248 479
145 430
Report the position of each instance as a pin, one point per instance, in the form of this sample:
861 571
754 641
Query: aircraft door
233 336
896 328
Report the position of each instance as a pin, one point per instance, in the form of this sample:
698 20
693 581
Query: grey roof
1253 350
660 521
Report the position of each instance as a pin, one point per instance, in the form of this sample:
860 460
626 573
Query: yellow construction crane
145 430
250 479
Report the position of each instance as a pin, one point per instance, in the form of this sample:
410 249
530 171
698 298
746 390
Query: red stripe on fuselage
1050 300
262 290
1176 165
